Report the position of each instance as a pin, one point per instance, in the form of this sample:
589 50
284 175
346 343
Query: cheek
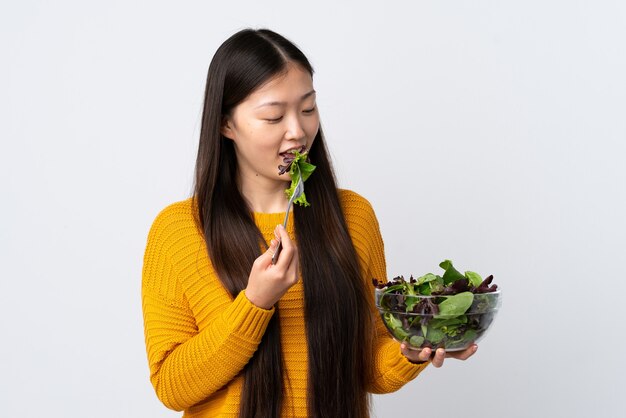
312 126
261 137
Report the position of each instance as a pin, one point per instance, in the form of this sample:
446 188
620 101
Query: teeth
291 151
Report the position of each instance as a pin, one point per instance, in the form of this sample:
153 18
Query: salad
296 164
450 311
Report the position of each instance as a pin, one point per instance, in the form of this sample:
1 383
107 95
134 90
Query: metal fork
296 194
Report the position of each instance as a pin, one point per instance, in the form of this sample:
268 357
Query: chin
284 177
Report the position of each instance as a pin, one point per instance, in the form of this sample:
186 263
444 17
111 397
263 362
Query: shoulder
174 214
359 214
175 210
364 230
174 223
355 206
172 239
351 199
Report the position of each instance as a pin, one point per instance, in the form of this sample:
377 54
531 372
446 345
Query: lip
288 156
289 151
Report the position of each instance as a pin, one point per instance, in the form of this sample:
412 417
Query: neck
263 195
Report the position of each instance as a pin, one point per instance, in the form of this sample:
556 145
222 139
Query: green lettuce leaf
474 278
455 305
451 274
299 166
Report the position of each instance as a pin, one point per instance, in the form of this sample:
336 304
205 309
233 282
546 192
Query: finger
292 268
408 353
440 355
424 354
465 354
281 234
415 355
291 254
288 250
272 248
276 234
265 259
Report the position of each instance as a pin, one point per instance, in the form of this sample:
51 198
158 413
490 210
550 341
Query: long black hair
336 311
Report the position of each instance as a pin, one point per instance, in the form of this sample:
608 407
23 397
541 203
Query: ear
226 128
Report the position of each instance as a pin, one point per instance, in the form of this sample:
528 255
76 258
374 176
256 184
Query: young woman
229 333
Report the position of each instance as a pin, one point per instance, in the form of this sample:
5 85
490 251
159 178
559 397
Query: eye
276 120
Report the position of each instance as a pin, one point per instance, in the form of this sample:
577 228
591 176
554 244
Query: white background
488 132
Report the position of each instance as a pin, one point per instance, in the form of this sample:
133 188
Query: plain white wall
491 133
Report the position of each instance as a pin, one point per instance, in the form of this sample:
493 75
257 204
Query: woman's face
278 117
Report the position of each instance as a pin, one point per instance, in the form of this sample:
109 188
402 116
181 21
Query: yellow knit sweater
198 338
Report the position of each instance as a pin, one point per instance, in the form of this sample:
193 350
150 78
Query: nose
295 131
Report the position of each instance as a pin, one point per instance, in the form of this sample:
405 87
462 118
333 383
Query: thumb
269 253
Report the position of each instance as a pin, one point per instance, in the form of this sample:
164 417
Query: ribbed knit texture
198 339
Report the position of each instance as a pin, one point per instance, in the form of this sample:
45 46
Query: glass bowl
451 322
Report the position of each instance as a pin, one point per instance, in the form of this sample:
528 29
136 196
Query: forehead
288 86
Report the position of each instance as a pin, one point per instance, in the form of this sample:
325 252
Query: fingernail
475 348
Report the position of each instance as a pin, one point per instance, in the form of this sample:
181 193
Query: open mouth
288 157
289 154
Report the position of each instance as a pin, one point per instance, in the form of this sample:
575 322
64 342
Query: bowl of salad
450 311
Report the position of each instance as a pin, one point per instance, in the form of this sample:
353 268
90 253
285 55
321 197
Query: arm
391 369
186 365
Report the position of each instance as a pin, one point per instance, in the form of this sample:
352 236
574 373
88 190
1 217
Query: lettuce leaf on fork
297 166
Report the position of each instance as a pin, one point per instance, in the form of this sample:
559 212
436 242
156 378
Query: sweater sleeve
187 365
391 369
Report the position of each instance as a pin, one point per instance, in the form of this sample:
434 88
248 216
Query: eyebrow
284 103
